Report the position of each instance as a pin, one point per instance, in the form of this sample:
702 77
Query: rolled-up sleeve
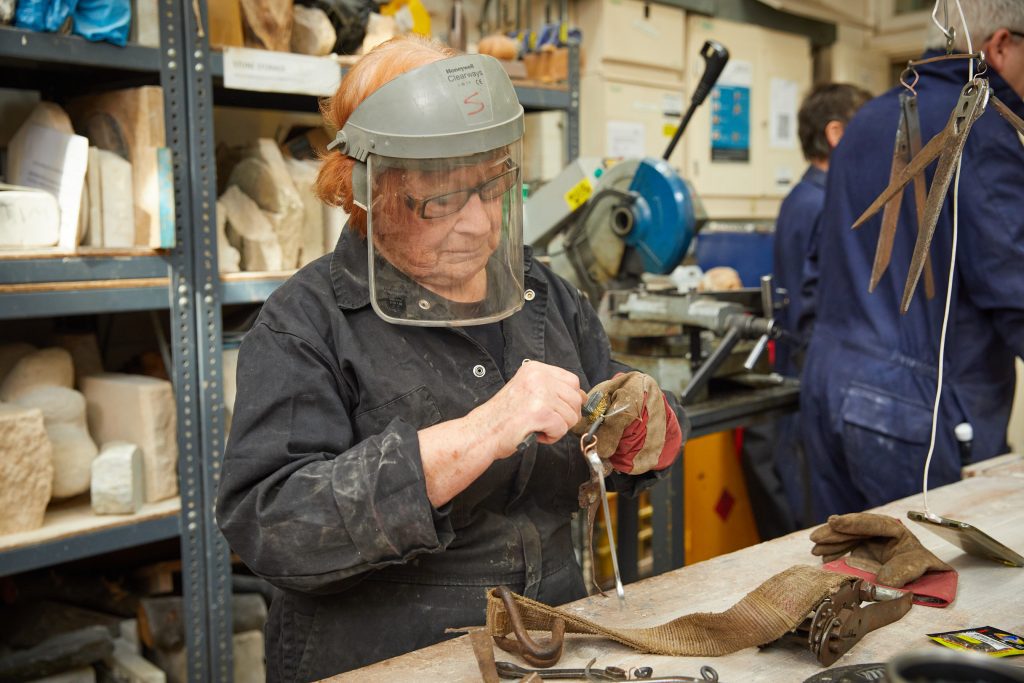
302 504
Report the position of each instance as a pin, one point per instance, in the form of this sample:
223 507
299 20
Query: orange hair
382 64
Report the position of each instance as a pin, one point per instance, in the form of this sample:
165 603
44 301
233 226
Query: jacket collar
956 71
350 274
815 176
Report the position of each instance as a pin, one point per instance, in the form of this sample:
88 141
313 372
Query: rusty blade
969 107
483 648
1008 114
912 119
891 215
926 156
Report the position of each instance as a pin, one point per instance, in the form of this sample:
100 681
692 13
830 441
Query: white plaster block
73 449
118 485
26 468
129 630
48 367
139 410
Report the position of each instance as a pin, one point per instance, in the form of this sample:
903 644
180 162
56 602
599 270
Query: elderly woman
379 470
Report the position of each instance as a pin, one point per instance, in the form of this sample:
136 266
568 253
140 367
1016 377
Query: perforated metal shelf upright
38 284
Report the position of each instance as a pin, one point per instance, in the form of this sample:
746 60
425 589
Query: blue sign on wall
730 123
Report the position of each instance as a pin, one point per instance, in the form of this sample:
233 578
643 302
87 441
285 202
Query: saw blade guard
664 216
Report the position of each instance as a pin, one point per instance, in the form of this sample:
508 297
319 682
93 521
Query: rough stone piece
228 258
260 248
267 24
118 485
73 448
303 173
129 634
265 178
139 410
312 32
6 11
10 354
26 468
49 367
129 666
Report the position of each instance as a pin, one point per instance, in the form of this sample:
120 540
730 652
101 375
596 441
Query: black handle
715 58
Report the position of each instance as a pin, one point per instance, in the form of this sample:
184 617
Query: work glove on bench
876 543
645 436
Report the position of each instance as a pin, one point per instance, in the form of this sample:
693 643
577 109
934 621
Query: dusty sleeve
302 504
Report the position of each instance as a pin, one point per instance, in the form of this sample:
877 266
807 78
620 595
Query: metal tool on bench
596 409
839 621
609 673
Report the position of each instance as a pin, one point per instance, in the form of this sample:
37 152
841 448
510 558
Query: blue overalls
795 237
870 373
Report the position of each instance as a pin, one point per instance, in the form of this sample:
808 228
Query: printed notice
625 139
782 116
265 71
730 113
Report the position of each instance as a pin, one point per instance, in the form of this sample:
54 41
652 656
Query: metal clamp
839 621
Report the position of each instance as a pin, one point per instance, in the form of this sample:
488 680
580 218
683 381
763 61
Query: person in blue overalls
870 374
772 459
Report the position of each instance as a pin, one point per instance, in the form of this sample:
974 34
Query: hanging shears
948 147
908 146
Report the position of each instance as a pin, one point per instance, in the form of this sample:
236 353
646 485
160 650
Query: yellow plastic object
719 518
416 10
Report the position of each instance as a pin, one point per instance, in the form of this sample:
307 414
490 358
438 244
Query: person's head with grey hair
996 28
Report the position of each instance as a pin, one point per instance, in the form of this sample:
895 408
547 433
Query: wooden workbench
989 594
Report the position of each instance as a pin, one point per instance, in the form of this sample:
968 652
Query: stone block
260 247
83 674
118 485
48 367
312 31
228 258
10 354
230 369
248 656
26 468
129 633
263 176
128 666
140 410
73 448
85 354
303 173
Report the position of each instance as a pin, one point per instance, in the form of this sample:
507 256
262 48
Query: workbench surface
989 595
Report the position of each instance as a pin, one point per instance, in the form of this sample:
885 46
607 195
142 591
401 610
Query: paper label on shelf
266 71
672 105
783 110
625 139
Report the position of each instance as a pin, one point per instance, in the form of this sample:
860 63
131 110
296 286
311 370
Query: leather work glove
878 544
646 435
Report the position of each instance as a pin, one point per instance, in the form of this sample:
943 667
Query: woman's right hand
541 399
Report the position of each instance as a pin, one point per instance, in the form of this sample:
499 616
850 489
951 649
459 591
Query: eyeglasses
448 203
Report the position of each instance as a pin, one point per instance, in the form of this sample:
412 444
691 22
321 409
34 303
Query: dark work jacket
870 375
794 230
323 491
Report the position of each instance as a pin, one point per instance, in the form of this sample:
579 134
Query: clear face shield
445 237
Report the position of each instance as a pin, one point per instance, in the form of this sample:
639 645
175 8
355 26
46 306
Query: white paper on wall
625 139
784 102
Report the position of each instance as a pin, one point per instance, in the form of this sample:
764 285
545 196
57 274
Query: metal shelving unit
37 285
183 281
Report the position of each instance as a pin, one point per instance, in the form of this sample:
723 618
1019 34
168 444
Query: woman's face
441 227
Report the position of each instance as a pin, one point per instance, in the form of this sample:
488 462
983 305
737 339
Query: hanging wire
949 289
